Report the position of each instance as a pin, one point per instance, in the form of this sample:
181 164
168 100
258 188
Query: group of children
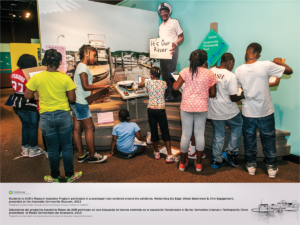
212 93
206 94
57 94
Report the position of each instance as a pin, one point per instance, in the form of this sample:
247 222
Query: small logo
10 192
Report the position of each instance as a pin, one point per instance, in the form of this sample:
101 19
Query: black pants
167 66
158 116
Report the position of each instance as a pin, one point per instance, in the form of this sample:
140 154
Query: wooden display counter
103 132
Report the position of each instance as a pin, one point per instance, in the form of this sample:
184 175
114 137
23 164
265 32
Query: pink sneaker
156 155
170 159
183 166
198 166
194 155
149 138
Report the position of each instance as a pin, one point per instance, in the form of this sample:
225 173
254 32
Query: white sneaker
251 170
170 159
97 158
25 152
194 155
33 152
156 155
272 173
149 138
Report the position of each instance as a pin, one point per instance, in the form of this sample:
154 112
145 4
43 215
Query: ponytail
52 58
197 59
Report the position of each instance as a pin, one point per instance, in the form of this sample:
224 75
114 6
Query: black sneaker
125 156
86 156
231 159
170 98
97 158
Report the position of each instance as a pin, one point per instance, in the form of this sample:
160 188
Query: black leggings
158 116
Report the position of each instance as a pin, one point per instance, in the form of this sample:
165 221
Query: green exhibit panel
4 47
214 45
5 62
5 65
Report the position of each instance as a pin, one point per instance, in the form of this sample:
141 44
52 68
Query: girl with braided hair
200 84
56 91
83 80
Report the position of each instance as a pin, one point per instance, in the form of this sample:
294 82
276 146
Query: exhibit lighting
27 15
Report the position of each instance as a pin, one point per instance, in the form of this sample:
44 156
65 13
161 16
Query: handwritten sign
215 47
160 48
107 117
62 50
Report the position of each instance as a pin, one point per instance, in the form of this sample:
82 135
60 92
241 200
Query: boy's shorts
80 111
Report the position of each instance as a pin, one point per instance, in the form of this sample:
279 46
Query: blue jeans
266 126
57 129
30 127
234 140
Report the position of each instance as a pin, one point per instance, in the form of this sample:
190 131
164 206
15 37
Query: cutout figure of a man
169 28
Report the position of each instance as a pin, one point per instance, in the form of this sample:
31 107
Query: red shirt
18 81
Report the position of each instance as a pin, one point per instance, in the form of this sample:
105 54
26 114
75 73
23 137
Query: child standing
26 109
200 84
157 112
123 136
55 90
83 80
222 110
258 110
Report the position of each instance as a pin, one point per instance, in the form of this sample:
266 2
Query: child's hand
173 49
111 154
143 79
277 60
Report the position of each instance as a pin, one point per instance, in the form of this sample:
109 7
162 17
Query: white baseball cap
165 6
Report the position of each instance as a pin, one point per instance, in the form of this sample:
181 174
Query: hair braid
52 58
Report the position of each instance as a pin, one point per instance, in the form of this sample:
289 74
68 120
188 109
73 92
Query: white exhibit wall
124 28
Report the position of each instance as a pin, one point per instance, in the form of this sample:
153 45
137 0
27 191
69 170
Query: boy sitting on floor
258 110
124 134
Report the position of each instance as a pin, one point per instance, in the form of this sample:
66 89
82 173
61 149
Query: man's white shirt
254 79
171 29
221 107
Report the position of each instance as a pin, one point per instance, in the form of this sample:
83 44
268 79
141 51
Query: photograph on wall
126 41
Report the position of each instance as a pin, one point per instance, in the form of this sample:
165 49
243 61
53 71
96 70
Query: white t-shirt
221 107
171 29
254 79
